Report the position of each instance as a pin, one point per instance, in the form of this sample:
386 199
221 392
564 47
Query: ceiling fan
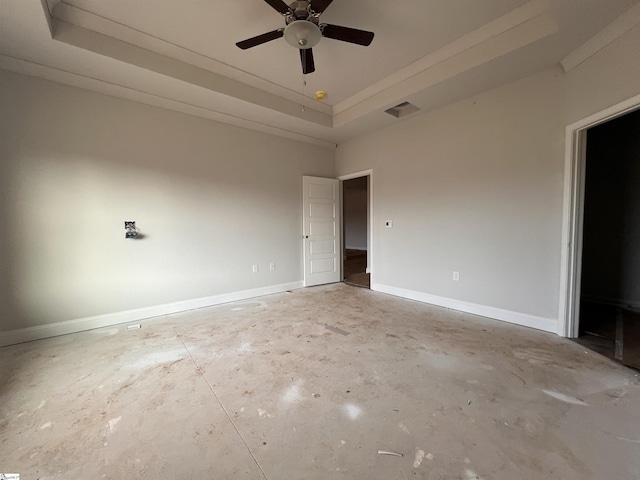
303 30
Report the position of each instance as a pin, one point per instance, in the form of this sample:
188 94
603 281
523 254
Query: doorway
356 231
608 310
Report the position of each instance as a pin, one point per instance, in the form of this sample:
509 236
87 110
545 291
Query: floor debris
389 452
524 383
222 402
336 330
565 398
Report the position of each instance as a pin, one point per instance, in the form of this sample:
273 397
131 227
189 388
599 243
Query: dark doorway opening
610 281
355 202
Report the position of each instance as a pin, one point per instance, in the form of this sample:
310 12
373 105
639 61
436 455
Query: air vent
402 110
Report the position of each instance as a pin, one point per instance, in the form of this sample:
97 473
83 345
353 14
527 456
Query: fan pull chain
304 84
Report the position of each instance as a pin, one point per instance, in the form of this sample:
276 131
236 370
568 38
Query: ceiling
182 55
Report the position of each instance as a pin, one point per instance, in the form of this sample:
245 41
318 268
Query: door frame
370 263
573 213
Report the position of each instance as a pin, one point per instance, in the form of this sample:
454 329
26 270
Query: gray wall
610 76
477 187
611 241
211 200
474 187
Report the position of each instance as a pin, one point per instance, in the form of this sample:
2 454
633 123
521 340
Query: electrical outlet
130 229
255 268
456 276
272 266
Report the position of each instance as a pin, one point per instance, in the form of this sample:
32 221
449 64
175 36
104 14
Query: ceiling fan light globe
302 34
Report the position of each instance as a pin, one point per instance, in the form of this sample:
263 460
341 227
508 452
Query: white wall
609 77
602 82
475 187
211 200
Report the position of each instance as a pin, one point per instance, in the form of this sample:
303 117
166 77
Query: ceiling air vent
402 110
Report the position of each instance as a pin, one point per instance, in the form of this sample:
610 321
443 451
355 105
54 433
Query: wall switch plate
456 276
272 266
255 268
388 224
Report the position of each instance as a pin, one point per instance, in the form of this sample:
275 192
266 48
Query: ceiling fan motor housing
302 34
300 11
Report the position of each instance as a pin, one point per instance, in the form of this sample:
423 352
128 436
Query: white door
321 230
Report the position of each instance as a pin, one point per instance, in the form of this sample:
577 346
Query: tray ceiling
182 55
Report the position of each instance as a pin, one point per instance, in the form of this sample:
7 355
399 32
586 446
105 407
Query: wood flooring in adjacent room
612 331
355 268
315 384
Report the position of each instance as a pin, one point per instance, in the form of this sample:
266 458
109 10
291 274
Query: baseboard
616 302
28 334
523 319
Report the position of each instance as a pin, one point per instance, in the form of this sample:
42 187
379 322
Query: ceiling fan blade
320 6
280 6
260 39
346 34
306 58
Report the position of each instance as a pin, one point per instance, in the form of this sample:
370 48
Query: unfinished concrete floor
311 384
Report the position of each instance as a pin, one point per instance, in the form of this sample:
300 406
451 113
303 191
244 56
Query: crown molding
26 67
630 19
507 34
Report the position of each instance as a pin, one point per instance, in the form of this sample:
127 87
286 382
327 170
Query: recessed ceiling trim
495 47
499 26
78 17
143 58
198 35
604 37
47 16
25 67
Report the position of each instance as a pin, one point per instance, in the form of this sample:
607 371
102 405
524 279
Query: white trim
350 176
370 249
523 319
477 40
572 212
604 37
28 334
571 233
47 16
69 16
